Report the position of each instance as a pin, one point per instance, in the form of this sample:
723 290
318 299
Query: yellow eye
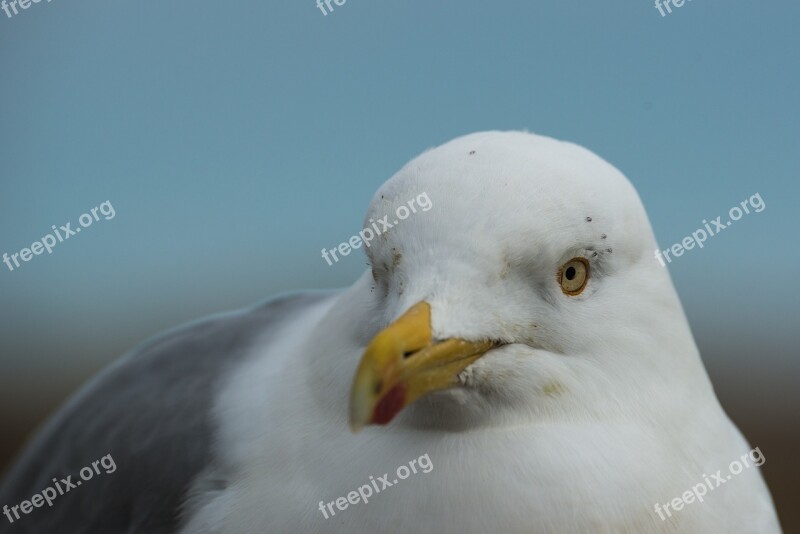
573 276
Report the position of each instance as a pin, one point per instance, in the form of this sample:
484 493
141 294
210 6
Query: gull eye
573 276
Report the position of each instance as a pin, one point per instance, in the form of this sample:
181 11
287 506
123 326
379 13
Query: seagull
520 336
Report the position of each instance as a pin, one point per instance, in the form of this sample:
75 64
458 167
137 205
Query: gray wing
150 412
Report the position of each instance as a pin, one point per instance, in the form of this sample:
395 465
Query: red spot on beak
390 405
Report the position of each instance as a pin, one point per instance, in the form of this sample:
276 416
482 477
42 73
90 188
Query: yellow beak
402 363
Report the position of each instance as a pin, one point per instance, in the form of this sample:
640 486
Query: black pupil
570 273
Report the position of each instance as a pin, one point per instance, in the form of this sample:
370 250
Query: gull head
527 290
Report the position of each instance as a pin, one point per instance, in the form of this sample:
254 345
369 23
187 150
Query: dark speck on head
396 257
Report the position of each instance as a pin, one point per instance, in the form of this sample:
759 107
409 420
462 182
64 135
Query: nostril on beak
409 353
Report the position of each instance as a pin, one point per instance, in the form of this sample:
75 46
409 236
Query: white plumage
595 408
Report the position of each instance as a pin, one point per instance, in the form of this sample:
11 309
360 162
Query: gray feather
151 412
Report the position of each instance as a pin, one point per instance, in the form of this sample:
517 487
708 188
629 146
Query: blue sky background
235 140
